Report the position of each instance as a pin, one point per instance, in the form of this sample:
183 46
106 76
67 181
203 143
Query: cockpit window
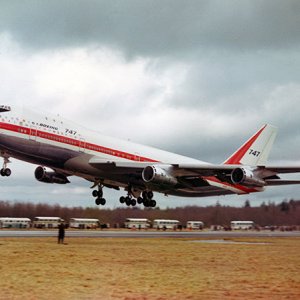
4 108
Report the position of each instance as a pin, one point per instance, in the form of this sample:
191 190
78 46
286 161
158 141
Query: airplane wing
209 170
190 172
178 170
118 166
188 169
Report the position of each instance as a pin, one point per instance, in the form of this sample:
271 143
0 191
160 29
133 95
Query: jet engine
158 175
246 177
42 175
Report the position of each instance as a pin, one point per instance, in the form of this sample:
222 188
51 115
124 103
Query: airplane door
81 145
33 133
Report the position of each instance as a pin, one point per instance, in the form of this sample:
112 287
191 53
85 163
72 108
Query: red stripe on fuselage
72 142
96 148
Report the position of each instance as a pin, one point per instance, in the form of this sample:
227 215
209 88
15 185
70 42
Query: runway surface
147 234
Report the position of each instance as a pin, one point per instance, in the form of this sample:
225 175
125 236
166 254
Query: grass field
103 268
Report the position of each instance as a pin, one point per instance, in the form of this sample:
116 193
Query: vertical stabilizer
256 150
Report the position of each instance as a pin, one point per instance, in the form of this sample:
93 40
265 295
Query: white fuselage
54 142
56 131
69 149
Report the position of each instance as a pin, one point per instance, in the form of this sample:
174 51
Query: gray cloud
154 27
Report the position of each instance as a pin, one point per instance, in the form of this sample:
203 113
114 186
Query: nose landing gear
5 171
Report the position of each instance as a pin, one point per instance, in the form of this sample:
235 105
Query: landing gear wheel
147 199
98 194
128 201
145 195
101 201
95 193
150 195
152 203
133 196
5 172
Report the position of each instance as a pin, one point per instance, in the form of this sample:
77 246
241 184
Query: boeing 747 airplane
71 150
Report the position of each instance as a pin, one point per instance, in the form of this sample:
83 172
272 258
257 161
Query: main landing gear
129 200
99 195
146 199
5 171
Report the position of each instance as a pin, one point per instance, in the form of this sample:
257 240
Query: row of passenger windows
26 123
10 118
91 147
69 141
60 139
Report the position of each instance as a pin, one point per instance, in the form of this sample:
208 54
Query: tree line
286 213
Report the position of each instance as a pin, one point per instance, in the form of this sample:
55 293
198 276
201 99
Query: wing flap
178 169
100 162
202 169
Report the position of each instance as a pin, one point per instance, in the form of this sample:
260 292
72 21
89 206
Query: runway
147 234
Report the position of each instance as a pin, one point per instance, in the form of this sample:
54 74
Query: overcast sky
192 77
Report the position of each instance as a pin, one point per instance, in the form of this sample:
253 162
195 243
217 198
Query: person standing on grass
61 233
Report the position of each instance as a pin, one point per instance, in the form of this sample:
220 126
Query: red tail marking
235 159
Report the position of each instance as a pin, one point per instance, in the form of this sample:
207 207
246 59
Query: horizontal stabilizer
274 182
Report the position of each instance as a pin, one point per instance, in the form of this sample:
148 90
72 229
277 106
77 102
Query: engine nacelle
246 177
158 175
42 175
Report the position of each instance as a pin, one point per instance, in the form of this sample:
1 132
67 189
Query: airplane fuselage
69 149
66 147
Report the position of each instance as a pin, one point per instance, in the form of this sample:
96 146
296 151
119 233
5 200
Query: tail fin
256 150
